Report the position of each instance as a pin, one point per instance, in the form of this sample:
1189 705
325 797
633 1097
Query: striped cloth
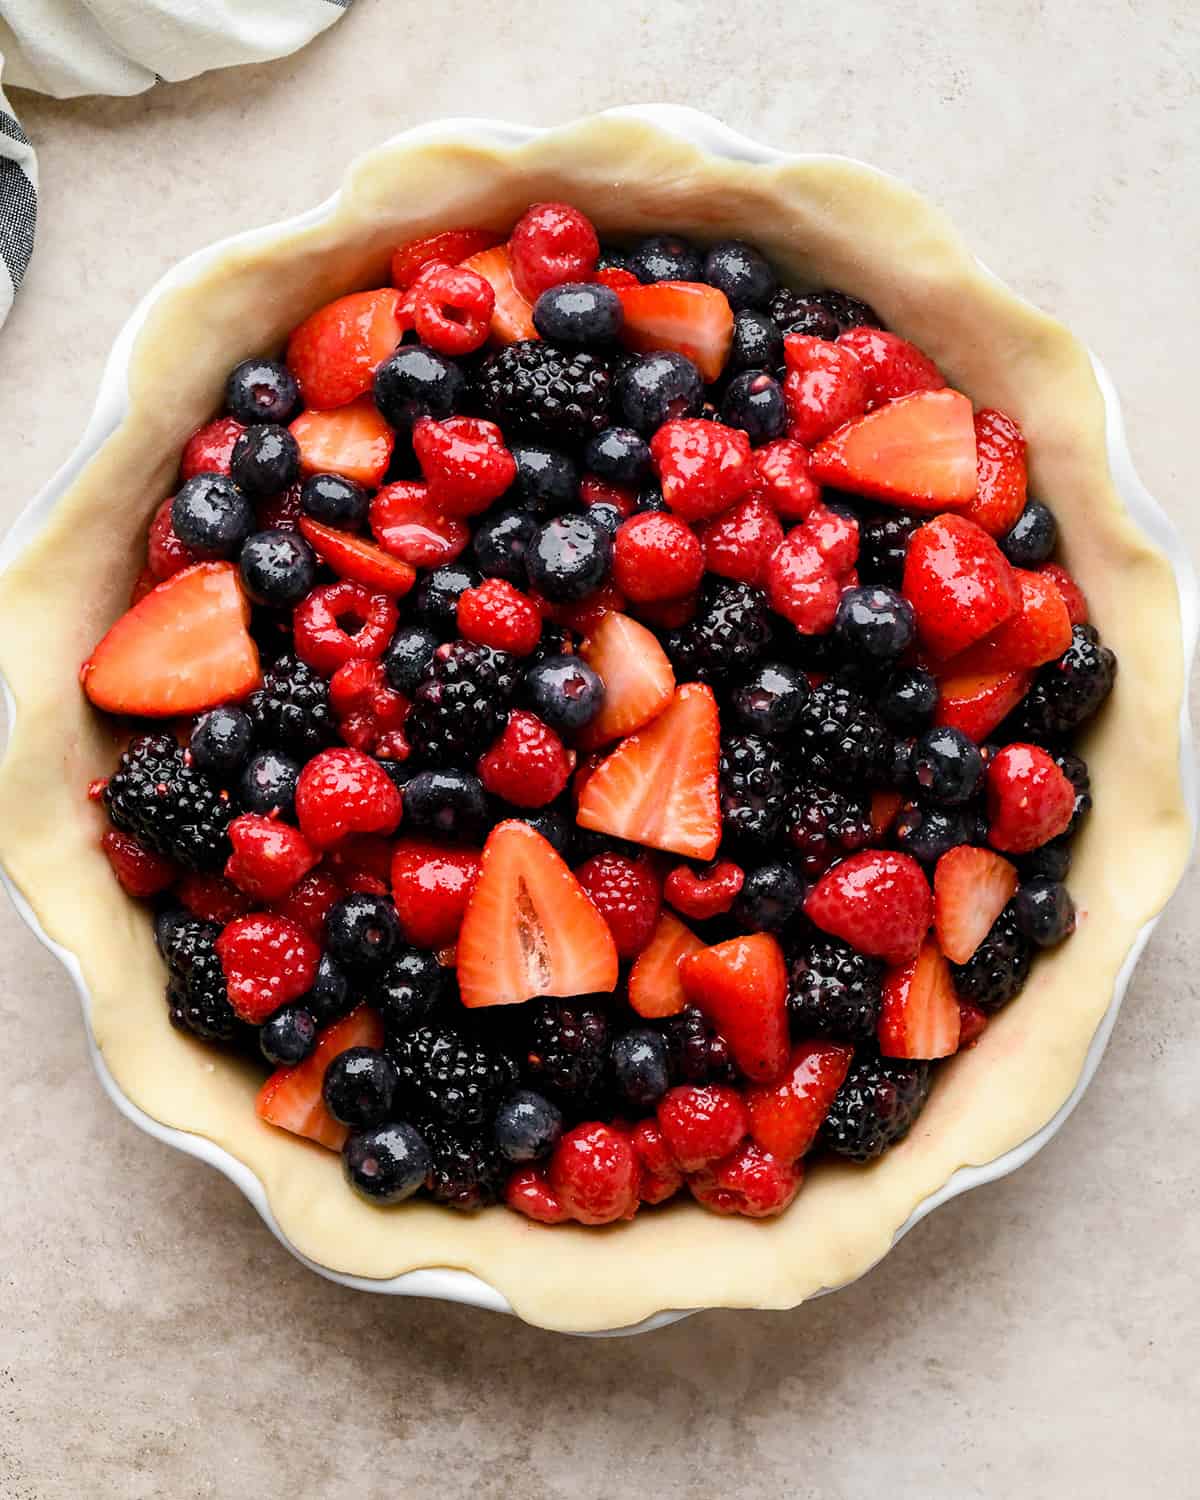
70 47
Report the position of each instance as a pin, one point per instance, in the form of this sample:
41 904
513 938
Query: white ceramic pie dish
114 403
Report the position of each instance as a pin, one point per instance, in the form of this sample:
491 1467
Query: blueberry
796 312
576 314
547 481
770 699
417 382
212 516
875 623
220 741
650 498
947 766
362 931
565 692
1051 862
288 1036
266 459
639 1064
333 500
666 257
769 898
552 823
928 832
757 343
619 455
387 1163
1044 912
262 390
268 783
500 544
449 803
527 1127
754 402
329 993
409 989
740 271
569 557
359 1086
408 656
608 514
1033 536
908 699
436 596
278 568
658 388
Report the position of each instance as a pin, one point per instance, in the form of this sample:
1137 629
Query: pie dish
857 230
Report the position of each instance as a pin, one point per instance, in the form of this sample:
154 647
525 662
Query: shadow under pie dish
821 222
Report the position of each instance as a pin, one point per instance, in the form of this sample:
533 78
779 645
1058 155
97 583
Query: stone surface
1037 1337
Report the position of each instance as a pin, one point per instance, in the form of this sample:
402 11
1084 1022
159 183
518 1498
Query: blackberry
695 1052
196 995
998 968
466 1168
875 1106
883 540
566 1047
838 737
460 704
168 806
1069 691
753 786
291 709
447 1077
1075 769
821 823
834 990
769 898
849 311
557 395
727 635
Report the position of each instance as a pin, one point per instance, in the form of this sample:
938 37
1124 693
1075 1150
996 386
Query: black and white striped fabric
70 47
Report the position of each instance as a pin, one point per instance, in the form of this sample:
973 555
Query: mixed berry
598 726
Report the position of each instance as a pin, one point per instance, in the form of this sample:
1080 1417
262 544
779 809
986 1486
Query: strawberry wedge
688 317
917 452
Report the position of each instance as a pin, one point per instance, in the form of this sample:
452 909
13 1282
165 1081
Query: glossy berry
436 597
527 765
386 1163
703 467
359 1086
666 257
341 622
1032 537
740 271
266 459
551 243
947 766
267 961
656 556
639 1064
495 614
278 568
577 314
769 898
1029 799
262 390
333 500
500 543
269 857
875 624
565 692
447 804
465 463
362 932
701 1123
547 481
749 1181
569 557
1044 912
287 1037
212 516
220 742
452 309
876 1106
594 1174
329 994
343 791
928 832
997 971
877 901
417 382
620 455
757 342
804 313
707 892
754 402
908 699
431 885
627 895
658 388
769 699
409 989
527 1127
141 871
268 784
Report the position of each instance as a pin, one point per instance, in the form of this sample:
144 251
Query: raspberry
801 585
341 621
465 463
527 765
209 450
656 556
585 614
268 857
739 544
212 898
551 243
594 1174
705 893
343 791
280 512
307 904
142 873
498 615
835 537
408 525
627 896
825 387
750 1181
661 1178
452 309
703 467
782 468
702 1123
431 885
267 961
165 553
528 1192
370 714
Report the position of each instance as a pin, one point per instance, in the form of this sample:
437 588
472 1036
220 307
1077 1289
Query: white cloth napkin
71 47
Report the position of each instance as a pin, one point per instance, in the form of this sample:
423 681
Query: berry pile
601 726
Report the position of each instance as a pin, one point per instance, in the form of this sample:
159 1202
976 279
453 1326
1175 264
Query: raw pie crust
824 222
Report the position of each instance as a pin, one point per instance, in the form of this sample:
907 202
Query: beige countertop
1037 1338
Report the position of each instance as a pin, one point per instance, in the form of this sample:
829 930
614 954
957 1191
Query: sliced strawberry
920 1016
918 452
291 1098
655 988
512 317
885 809
877 901
1039 631
1072 594
785 1116
1000 471
825 387
976 704
142 585
891 365
407 523
183 648
959 583
449 248
529 927
659 786
687 316
741 986
334 353
971 887
350 557
353 441
638 680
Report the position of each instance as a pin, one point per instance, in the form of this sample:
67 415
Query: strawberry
464 461
703 467
165 553
350 557
741 986
749 1181
512 316
268 858
920 1016
885 809
825 387
267 961
529 928
783 469
354 441
1029 799
977 703
659 786
209 450
785 1116
655 988
971 887
142 585
891 366
1000 472
1072 594
1039 631
292 1097
406 523
959 583
638 680
335 351
142 873
917 452
527 764
183 648
431 885
972 1024
687 316
738 544
877 901
449 248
